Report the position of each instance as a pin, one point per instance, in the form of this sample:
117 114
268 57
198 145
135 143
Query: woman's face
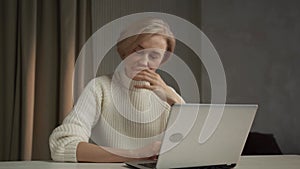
147 55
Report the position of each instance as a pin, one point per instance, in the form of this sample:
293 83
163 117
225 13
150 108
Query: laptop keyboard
212 167
153 165
148 165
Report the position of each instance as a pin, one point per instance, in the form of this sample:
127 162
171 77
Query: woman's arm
69 141
87 152
77 126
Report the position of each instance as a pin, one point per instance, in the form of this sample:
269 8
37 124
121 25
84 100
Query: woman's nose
144 60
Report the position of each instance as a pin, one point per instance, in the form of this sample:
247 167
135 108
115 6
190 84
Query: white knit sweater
112 113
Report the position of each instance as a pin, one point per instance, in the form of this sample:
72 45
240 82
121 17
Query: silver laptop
204 136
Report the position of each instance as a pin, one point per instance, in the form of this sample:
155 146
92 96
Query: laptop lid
204 135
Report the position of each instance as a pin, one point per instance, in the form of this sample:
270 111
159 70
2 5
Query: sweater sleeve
77 126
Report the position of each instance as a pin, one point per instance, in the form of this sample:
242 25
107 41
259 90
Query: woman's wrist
173 98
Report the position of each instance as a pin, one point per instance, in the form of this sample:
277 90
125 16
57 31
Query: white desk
246 162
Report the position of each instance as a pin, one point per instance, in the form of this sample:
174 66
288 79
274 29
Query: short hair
137 32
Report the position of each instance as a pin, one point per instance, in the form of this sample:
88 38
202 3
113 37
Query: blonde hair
139 31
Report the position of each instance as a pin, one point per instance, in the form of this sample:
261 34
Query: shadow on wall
261 144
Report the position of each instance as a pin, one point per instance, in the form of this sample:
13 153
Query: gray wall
258 42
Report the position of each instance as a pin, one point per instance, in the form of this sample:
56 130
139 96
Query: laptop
203 136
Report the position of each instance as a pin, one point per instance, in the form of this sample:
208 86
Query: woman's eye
154 56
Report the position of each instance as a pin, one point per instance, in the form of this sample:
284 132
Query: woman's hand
158 86
149 151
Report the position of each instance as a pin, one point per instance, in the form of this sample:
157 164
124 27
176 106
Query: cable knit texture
111 112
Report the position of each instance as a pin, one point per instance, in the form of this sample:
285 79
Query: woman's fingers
141 77
157 85
152 77
149 150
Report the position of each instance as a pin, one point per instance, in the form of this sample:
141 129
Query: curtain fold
39 43
27 22
8 74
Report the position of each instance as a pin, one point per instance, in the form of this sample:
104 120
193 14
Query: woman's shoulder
102 80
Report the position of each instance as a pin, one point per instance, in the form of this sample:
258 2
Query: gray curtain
39 42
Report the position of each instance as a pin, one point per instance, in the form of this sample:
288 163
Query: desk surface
246 162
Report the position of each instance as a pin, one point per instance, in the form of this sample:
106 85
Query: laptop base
152 165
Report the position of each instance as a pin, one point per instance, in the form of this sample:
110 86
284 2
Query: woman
125 112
